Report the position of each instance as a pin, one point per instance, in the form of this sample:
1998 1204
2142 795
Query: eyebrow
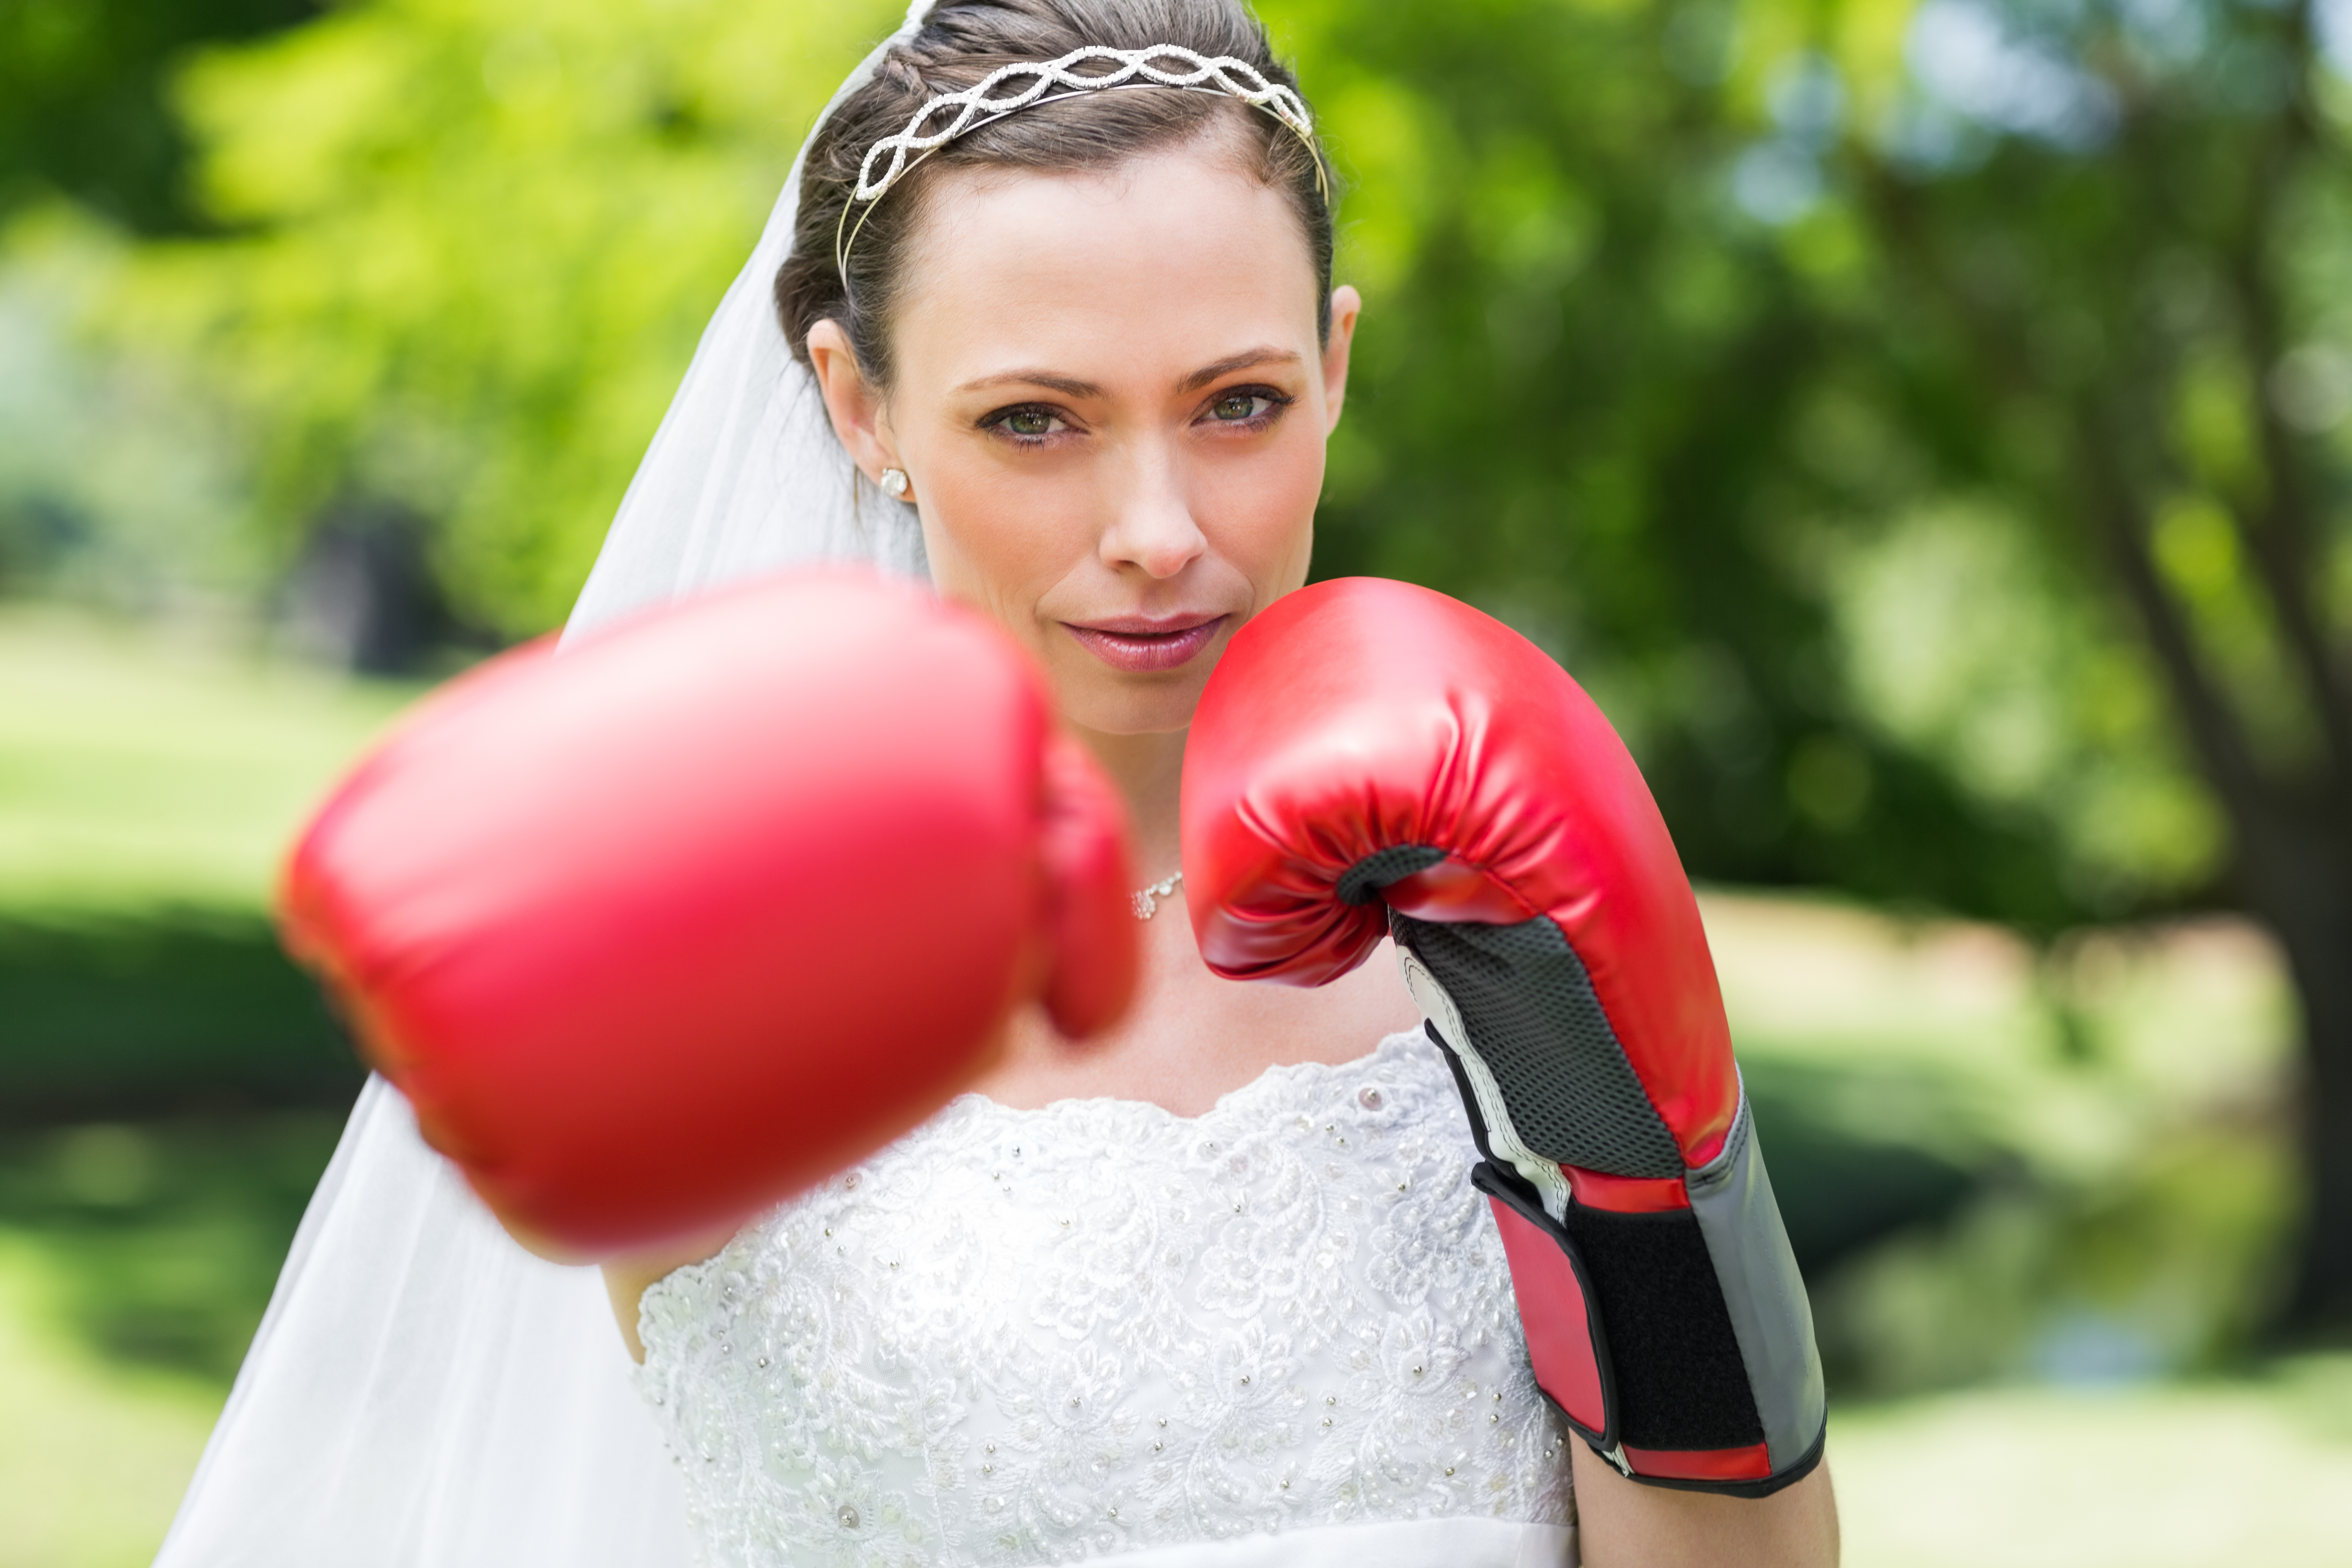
1248 359
1071 386
1068 385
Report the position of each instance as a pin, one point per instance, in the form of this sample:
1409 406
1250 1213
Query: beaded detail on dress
1037 1336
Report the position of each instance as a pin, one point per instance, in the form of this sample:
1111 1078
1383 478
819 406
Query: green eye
1234 406
1029 422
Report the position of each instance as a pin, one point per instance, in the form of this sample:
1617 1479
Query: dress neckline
1276 1073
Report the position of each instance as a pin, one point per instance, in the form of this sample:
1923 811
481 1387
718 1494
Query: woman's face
1111 403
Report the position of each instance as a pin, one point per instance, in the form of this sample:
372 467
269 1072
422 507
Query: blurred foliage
119 484
1746 353
2003 1164
1668 383
165 1236
1921 421
1924 425
1640 374
140 1015
124 484
83 106
476 243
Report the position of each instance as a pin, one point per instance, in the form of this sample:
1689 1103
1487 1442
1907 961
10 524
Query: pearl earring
894 483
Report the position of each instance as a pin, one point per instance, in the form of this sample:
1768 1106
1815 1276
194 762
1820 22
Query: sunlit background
1924 427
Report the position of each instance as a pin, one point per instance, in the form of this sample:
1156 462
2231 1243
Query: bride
1218 1290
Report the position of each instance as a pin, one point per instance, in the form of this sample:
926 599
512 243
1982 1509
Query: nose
1152 526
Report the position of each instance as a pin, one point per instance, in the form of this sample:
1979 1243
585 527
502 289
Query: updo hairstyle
960 44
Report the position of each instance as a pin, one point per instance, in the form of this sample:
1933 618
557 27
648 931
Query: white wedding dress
1282 1331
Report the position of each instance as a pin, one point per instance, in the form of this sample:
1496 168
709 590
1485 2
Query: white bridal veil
423 1394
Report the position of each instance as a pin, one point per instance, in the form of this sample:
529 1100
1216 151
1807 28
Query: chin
1162 709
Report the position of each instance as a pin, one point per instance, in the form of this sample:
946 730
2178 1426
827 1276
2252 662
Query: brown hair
962 42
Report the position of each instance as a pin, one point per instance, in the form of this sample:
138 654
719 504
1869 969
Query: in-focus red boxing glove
1372 756
657 931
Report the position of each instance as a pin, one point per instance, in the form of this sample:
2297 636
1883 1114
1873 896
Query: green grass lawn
2250 1471
148 783
95 1452
1999 1164
141 770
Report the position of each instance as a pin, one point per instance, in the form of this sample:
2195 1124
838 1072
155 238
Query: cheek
1001 540
1260 514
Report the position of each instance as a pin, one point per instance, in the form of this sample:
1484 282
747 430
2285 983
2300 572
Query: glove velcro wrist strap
1630 1336
1676 1340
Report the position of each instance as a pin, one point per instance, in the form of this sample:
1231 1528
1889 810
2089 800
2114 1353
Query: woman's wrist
1621 1523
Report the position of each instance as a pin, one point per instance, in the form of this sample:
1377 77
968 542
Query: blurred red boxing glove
655 930
1373 757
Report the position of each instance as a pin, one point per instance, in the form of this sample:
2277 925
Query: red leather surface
1628 1194
1552 1315
655 931
1362 714
1090 880
1751 1463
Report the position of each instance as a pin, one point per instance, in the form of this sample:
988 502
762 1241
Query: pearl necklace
1145 901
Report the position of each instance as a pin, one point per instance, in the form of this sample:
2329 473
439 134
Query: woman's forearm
1623 1524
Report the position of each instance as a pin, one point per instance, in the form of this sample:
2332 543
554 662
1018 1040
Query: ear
1347 305
860 416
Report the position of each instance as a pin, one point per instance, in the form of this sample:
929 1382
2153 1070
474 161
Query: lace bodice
1041 1336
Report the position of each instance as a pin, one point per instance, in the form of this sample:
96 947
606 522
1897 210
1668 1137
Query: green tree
1921 425
2108 298
469 249
83 110
1600 395
1925 423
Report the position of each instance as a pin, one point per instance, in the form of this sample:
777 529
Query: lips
1140 645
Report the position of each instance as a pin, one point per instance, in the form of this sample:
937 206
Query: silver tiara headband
983 104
